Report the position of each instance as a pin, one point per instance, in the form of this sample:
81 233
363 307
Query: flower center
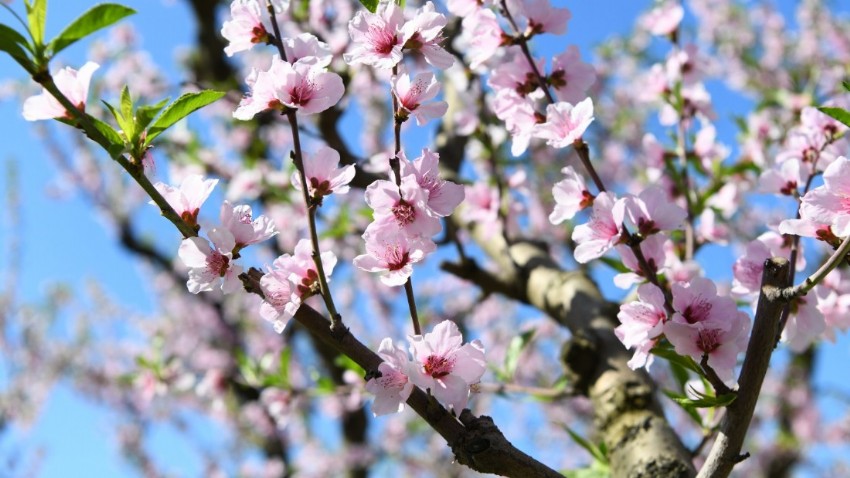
404 213
437 366
217 263
708 340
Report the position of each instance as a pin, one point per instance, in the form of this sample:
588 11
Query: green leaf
670 355
116 144
14 43
119 118
36 15
839 114
515 348
594 451
689 409
97 17
181 108
680 373
846 85
127 114
705 401
146 114
595 470
349 364
371 5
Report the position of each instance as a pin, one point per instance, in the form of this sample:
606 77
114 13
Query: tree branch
725 453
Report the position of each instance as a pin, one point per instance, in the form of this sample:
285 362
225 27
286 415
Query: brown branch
627 415
475 441
725 453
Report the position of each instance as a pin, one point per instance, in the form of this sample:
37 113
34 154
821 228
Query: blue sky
63 241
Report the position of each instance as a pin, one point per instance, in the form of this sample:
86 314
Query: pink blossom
830 203
71 83
721 343
565 123
277 295
785 178
653 211
698 302
412 95
245 229
403 206
306 86
207 264
519 116
392 253
377 38
300 268
571 78
571 196
443 196
748 269
186 200
484 34
446 367
603 230
664 19
424 33
481 206
517 76
806 323
641 323
323 174
653 251
465 8
392 387
543 17
245 27
304 46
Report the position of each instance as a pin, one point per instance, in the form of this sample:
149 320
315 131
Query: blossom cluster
406 217
442 364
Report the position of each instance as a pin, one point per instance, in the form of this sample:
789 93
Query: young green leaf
839 114
371 5
97 17
181 108
846 85
36 15
596 452
115 144
123 123
146 114
705 401
515 348
14 43
688 408
669 354
127 113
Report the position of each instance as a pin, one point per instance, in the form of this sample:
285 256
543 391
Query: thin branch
726 451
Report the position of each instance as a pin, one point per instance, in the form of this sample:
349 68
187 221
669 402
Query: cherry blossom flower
664 19
482 31
412 95
571 78
207 264
720 343
806 323
603 230
698 302
747 270
300 268
519 116
571 196
377 38
641 323
424 33
186 200
71 83
445 366
403 206
392 253
653 211
323 174
245 229
306 86
443 196
830 203
543 17
392 387
277 295
565 123
653 250
245 27
304 46
785 178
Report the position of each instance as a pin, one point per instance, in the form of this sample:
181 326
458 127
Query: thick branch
476 441
627 415
725 452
